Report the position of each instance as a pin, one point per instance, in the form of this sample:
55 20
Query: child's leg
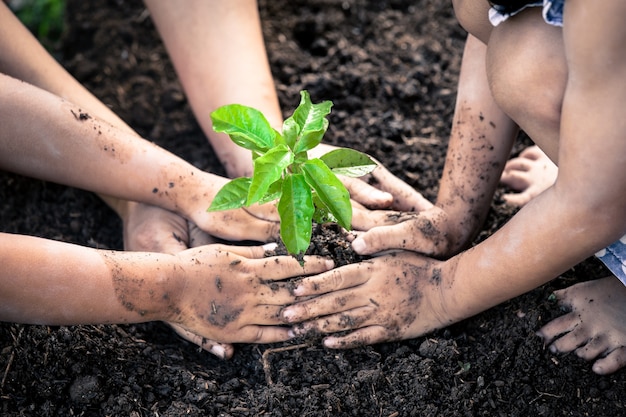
595 329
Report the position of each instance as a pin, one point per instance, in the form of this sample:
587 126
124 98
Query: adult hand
391 297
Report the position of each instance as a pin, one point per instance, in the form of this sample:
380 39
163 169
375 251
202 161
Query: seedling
307 190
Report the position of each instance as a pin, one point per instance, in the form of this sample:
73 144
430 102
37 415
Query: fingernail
359 245
288 315
268 247
219 351
298 291
328 342
329 264
291 334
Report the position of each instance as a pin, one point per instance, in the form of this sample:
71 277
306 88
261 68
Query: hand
257 223
380 189
152 229
428 233
234 294
391 297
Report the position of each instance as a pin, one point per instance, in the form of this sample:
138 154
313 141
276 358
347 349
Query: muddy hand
152 229
233 293
391 297
258 223
427 233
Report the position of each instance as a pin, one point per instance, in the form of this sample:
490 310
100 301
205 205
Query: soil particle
390 68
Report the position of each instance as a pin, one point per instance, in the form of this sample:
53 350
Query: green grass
44 18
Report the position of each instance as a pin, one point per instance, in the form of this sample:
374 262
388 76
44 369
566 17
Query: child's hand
391 297
153 229
428 232
233 294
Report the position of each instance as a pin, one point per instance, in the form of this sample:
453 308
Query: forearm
24 58
49 282
47 138
545 238
219 54
480 143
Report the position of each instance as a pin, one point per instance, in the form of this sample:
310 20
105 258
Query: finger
250 252
347 276
406 235
532 152
361 337
238 225
267 212
517 180
276 268
366 194
405 197
517 164
517 199
364 219
324 305
349 320
221 350
263 334
611 362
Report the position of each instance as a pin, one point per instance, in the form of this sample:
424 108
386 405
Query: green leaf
272 193
306 127
232 195
296 209
330 190
247 127
349 162
268 169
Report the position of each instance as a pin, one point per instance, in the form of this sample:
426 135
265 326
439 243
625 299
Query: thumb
380 239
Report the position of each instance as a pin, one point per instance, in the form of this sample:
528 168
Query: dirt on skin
391 68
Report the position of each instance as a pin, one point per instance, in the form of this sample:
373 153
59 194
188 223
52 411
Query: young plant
307 190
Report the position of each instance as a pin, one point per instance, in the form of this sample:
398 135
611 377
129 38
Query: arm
582 213
219 54
48 138
217 292
480 141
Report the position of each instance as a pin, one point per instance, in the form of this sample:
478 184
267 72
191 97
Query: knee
473 17
525 87
525 96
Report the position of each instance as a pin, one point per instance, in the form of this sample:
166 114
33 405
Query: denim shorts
614 257
552 12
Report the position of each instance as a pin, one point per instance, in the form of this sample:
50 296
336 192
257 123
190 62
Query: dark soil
391 68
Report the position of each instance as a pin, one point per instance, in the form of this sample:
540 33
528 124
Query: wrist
145 283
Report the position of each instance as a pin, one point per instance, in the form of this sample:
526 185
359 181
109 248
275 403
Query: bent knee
473 17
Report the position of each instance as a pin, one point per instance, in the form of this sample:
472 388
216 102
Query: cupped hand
392 297
235 294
